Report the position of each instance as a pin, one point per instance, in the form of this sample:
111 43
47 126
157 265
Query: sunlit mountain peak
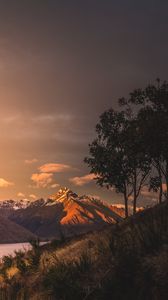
63 194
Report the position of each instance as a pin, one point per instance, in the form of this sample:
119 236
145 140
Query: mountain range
62 214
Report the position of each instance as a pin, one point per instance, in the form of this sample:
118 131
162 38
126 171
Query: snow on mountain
15 204
62 195
75 207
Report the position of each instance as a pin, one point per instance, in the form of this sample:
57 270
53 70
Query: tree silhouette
153 113
116 155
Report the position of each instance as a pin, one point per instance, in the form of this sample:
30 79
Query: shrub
20 261
65 278
7 261
62 282
35 253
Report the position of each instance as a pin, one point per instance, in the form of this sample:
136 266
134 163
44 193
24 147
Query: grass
128 260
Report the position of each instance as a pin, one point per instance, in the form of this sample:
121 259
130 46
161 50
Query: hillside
65 213
121 262
11 232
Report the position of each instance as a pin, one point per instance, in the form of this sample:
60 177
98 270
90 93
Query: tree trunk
126 205
134 205
166 193
161 186
135 192
166 177
160 192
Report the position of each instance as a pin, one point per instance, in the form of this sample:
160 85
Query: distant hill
65 213
10 232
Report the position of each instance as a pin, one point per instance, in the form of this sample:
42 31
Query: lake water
9 249
6 249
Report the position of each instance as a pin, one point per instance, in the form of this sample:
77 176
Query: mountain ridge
66 213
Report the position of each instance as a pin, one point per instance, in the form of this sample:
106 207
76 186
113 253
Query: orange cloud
31 161
4 183
42 179
54 168
55 185
80 181
21 195
32 196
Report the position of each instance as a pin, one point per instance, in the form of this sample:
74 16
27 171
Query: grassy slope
124 261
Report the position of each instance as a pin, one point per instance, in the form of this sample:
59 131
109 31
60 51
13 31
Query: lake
9 249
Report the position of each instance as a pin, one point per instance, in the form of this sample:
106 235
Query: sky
62 63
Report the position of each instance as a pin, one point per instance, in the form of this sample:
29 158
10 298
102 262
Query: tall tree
116 156
153 113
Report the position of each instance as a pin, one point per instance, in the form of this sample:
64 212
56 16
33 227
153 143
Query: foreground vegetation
124 261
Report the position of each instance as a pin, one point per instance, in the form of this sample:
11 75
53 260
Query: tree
116 155
154 140
153 113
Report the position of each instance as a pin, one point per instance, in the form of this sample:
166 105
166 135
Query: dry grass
124 261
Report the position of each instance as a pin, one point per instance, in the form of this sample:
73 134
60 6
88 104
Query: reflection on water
9 249
6 249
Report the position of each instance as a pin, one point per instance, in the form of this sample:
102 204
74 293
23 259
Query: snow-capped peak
62 195
15 204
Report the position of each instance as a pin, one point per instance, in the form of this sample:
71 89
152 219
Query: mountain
62 195
14 204
65 213
10 232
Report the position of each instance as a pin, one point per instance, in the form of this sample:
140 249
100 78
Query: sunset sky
62 63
